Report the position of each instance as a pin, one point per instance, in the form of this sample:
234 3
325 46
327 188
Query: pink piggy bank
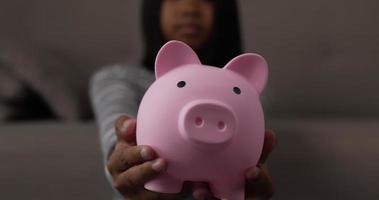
207 122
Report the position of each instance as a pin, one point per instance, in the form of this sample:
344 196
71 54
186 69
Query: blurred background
322 97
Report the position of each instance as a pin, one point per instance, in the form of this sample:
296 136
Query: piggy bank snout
207 121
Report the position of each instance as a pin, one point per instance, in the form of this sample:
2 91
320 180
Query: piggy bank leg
164 184
229 190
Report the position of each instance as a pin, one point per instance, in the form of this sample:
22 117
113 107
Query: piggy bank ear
252 67
172 55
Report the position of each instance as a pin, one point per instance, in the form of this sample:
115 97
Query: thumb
126 130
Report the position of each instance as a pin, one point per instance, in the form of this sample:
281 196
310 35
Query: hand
258 180
131 166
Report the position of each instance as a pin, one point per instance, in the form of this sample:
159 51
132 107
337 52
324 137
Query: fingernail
254 174
124 126
159 165
146 153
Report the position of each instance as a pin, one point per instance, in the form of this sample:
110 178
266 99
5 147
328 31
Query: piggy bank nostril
199 121
221 126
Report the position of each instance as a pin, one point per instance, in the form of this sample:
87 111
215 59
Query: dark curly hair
223 45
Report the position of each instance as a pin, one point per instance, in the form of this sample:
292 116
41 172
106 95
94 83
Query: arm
108 107
116 92
112 95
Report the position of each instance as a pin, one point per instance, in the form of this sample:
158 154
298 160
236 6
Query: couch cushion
331 158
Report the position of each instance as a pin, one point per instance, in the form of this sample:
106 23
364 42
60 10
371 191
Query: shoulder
117 70
123 73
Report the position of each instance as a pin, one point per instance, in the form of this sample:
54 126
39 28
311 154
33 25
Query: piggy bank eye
237 90
181 84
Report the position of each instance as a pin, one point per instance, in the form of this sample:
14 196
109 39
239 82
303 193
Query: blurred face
190 21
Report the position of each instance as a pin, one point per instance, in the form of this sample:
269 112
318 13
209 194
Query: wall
323 55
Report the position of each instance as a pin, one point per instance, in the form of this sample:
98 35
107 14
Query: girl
211 28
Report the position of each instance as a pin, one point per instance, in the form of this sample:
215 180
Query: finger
269 144
259 183
125 157
201 191
126 130
137 176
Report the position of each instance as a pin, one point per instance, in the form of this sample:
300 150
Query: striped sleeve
115 91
